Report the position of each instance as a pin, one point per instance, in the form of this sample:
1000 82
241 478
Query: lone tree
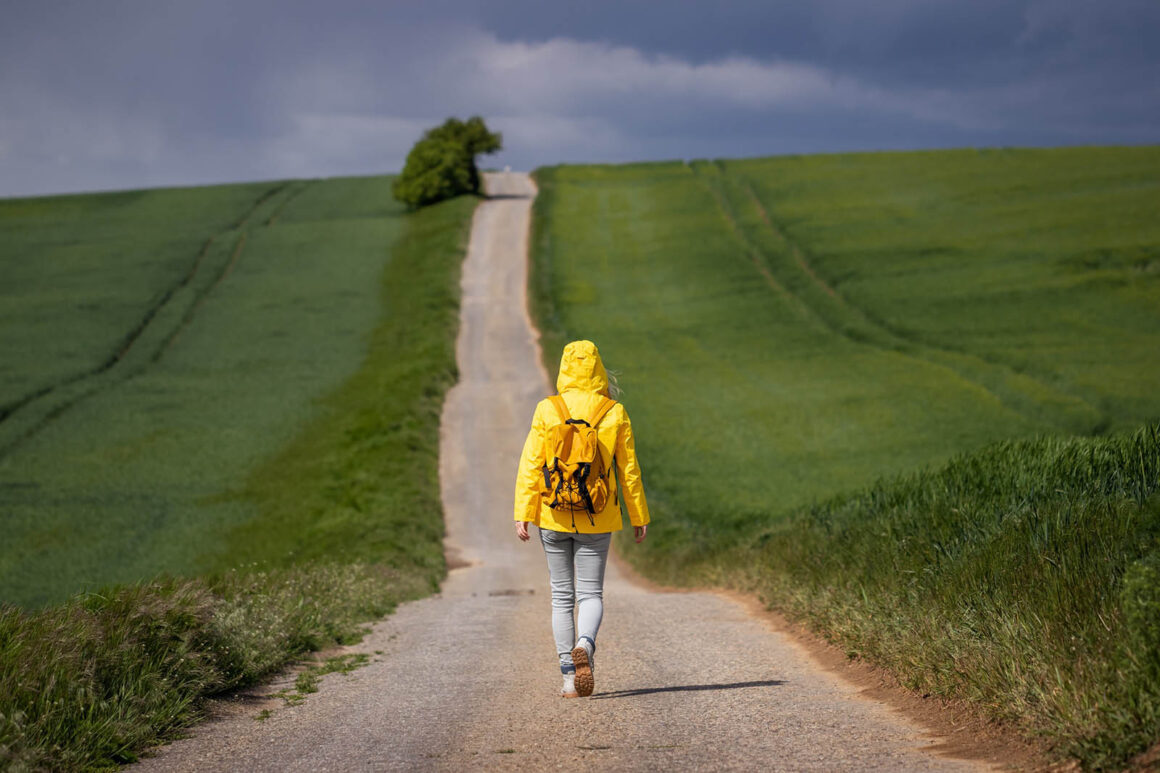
442 163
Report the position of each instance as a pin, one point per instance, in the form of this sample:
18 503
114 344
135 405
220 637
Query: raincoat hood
581 368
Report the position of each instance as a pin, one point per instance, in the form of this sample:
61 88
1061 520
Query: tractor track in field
56 399
468 679
1012 388
126 342
297 191
201 298
228 268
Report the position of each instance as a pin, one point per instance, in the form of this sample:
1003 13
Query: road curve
468 678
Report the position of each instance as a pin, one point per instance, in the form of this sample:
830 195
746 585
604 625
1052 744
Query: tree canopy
441 165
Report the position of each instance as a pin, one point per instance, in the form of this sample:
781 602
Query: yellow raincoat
582 383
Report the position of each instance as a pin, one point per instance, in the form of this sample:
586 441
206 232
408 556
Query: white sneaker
569 688
582 659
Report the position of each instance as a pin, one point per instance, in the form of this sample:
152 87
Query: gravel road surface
468 678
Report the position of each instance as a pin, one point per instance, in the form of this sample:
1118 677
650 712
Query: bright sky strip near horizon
114 94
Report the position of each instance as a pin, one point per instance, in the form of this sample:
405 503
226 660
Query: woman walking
567 486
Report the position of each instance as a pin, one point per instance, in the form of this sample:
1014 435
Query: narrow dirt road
468 679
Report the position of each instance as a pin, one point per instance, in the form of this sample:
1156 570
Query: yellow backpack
575 479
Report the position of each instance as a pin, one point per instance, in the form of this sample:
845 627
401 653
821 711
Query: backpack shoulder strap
561 407
604 407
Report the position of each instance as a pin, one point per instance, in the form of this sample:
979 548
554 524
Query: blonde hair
614 390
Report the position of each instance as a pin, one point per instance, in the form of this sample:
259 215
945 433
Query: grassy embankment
269 436
826 357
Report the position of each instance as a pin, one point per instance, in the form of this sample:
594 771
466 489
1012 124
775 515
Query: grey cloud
122 94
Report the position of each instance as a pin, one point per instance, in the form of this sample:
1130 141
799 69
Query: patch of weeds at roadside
290 696
307 681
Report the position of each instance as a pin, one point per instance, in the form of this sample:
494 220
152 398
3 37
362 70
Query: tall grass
1023 578
91 682
805 330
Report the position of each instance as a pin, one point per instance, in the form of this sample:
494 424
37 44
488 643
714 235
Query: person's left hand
640 532
522 531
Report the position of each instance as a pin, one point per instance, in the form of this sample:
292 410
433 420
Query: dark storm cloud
127 93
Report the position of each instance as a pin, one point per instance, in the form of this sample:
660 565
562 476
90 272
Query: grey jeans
576 570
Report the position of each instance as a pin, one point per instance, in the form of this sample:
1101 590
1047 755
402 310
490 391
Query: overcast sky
105 94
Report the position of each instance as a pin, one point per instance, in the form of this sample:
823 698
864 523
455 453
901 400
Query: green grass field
254 302
256 414
82 273
791 330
